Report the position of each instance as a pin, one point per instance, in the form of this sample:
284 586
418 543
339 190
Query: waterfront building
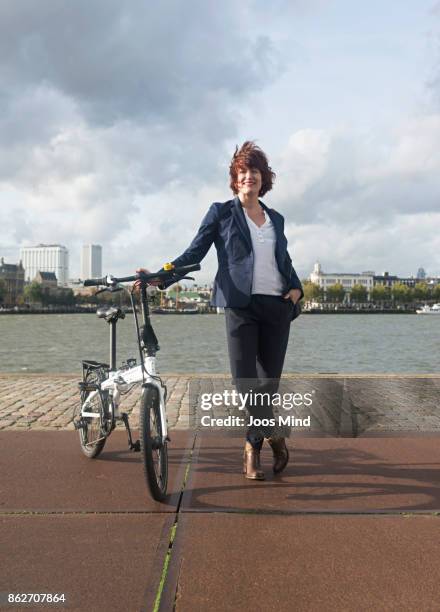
367 279
46 258
47 279
347 279
388 280
91 261
13 277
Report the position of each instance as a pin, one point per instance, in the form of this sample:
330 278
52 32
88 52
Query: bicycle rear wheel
154 450
93 431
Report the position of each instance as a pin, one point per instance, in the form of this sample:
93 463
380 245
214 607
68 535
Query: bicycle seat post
111 314
113 323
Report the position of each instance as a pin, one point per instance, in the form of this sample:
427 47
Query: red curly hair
251 156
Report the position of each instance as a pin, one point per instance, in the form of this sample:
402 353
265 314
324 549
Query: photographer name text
236 421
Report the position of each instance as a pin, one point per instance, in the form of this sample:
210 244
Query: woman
258 288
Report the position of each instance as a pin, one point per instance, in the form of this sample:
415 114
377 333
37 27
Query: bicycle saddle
110 313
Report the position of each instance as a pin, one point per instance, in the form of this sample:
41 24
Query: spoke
154 443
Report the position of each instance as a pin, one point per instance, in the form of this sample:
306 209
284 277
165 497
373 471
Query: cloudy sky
119 118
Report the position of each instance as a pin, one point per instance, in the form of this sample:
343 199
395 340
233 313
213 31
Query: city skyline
45 258
343 97
98 271
55 258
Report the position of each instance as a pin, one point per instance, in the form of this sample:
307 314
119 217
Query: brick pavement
343 404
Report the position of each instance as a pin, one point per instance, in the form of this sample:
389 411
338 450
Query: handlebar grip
95 282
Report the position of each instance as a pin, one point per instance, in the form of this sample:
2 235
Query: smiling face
249 158
249 181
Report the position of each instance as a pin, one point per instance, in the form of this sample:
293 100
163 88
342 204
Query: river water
197 343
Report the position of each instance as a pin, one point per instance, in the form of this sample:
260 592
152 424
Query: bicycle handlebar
95 282
142 276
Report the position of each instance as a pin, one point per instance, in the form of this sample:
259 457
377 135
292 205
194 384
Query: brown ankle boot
280 454
251 463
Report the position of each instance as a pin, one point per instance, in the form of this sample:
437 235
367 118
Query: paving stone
46 471
71 554
343 405
305 563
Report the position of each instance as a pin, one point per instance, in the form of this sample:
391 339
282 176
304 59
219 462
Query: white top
266 276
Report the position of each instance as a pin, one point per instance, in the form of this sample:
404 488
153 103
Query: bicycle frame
103 384
145 373
123 378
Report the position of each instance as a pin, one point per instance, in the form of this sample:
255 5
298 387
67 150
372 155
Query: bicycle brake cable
141 355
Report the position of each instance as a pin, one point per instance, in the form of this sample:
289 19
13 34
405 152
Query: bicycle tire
93 429
154 451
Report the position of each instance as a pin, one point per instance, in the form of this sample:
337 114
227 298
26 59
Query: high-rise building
46 258
91 261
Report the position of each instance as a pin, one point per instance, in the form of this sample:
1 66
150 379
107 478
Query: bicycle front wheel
154 449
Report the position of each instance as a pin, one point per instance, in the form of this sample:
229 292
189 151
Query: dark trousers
257 341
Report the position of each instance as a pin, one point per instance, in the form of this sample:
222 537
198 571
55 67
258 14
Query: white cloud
118 121
363 200
105 105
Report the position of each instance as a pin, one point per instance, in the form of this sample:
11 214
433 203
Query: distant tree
358 293
86 298
335 293
46 297
118 298
435 293
66 297
422 291
2 290
312 291
401 293
380 293
33 293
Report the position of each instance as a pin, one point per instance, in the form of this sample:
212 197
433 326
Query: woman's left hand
294 295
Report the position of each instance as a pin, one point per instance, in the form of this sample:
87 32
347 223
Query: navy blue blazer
225 225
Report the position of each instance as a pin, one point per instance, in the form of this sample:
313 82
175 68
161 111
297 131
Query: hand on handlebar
137 284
